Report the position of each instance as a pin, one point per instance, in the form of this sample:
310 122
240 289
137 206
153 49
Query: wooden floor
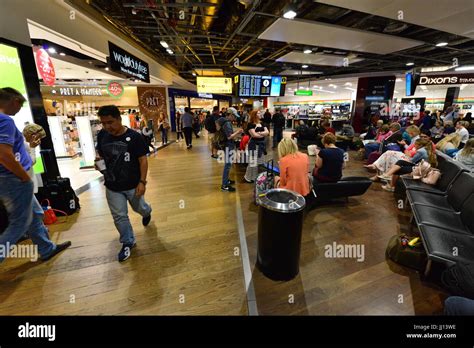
184 263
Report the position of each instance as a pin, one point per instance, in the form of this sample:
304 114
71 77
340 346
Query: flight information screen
260 86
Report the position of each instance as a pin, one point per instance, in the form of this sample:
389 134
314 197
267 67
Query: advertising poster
151 101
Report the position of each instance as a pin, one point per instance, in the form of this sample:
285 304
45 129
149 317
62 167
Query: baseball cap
233 112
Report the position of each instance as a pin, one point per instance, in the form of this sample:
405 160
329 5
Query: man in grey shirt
187 120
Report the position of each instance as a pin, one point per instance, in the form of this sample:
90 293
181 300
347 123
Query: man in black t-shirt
278 121
124 152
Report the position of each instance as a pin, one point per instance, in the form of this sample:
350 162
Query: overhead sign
214 85
80 91
205 95
304 92
115 89
45 67
450 79
260 86
125 63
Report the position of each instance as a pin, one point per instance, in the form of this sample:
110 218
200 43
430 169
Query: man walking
224 124
25 214
187 120
278 121
210 124
125 155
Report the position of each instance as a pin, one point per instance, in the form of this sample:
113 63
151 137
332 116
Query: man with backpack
225 129
278 121
210 125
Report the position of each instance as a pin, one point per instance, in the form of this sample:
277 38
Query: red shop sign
45 67
115 89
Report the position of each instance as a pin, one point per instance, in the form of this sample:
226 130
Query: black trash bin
280 223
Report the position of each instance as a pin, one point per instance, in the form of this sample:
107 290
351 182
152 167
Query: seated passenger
383 133
424 152
463 132
301 130
437 131
329 161
449 144
392 142
466 155
294 167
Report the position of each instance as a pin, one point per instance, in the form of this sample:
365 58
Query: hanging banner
45 67
152 101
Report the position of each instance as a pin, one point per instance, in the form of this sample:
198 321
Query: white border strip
250 291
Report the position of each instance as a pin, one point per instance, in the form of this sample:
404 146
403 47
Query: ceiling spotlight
62 54
136 81
290 14
304 66
52 50
348 84
194 74
410 64
164 44
169 51
134 11
441 44
308 51
107 69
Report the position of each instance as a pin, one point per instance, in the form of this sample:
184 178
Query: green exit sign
303 92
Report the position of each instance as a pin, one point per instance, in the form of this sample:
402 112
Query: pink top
294 173
381 137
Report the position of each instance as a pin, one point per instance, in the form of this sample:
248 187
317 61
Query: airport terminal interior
237 157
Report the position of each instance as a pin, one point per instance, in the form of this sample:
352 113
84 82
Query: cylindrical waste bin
280 223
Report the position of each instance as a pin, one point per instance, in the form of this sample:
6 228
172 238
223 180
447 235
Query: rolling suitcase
264 181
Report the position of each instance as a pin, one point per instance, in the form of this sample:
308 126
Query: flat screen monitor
260 86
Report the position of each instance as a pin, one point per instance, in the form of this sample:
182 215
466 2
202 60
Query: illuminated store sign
125 63
451 79
214 85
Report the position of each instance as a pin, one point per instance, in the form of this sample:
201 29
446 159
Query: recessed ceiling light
348 84
134 11
441 44
194 74
52 50
304 66
137 80
308 51
289 14
169 51
62 54
164 44
410 64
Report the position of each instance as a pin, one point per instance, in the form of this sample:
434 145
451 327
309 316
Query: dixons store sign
125 63
453 79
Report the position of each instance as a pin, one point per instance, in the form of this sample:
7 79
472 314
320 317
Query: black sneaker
146 220
59 248
230 182
227 188
125 252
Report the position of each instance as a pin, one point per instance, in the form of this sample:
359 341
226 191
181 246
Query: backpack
412 256
220 139
210 124
459 280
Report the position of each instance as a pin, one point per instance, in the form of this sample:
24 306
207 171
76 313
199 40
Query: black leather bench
344 188
445 214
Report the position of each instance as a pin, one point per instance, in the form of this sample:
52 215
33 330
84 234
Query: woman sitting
449 144
294 167
437 131
424 151
383 133
466 155
329 161
389 158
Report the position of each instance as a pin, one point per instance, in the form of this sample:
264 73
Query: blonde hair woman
294 167
466 155
449 143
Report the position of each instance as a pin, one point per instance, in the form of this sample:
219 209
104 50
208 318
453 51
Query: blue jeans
25 215
371 147
227 166
456 305
117 202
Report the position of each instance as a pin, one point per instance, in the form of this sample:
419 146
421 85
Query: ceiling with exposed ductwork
340 36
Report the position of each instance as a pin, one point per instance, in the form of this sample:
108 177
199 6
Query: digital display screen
260 86
408 85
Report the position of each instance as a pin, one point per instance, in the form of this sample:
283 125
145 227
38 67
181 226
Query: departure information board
260 85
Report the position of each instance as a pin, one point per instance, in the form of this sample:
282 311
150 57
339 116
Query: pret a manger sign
452 79
125 63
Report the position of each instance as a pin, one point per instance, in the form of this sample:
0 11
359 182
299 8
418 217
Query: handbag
431 177
421 170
